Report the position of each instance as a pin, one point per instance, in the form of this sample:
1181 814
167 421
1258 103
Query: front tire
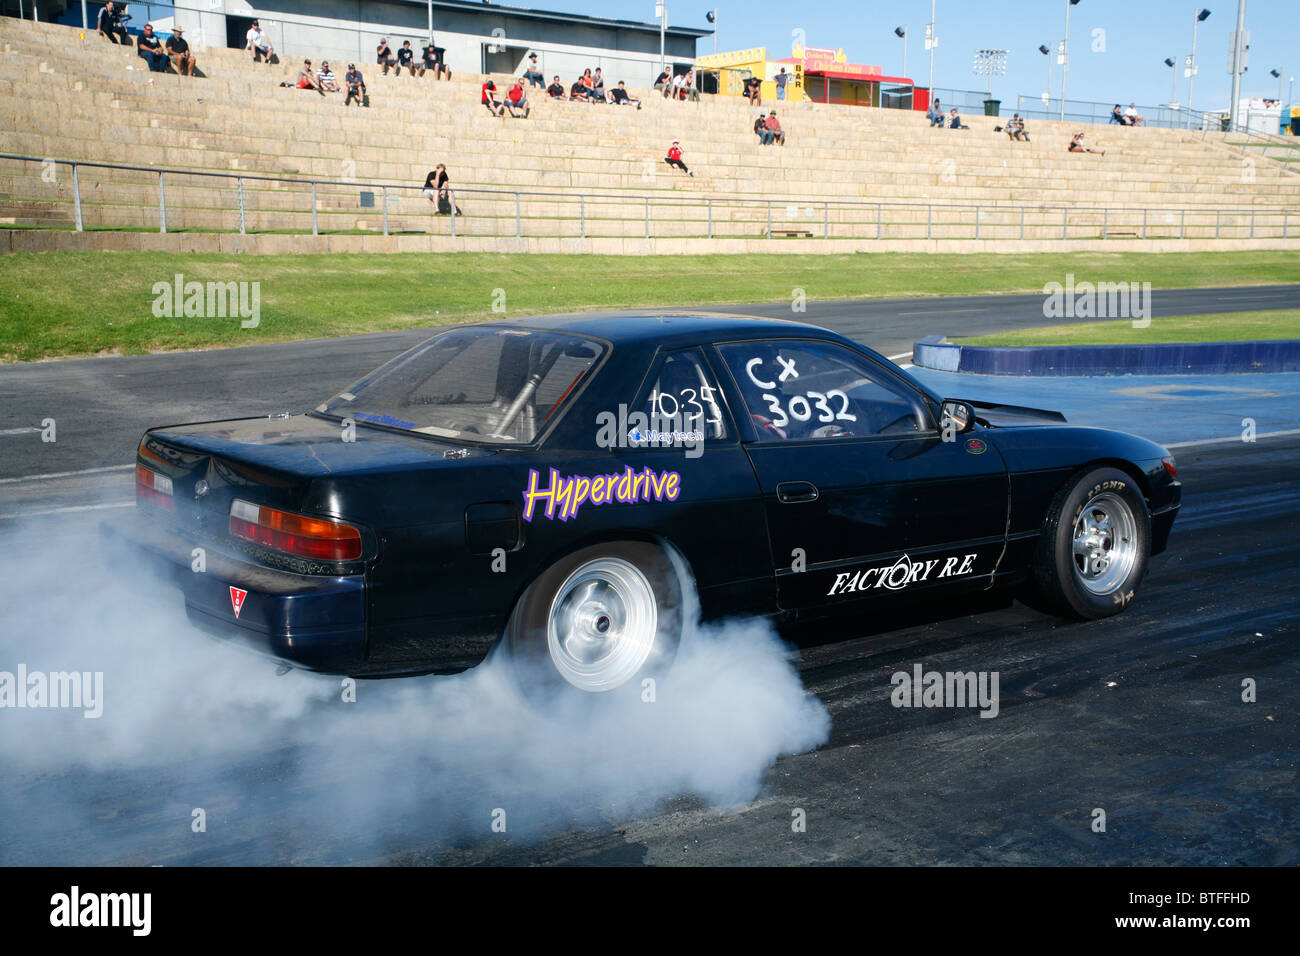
597 620
1094 546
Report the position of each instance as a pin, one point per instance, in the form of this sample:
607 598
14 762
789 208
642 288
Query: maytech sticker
900 574
568 494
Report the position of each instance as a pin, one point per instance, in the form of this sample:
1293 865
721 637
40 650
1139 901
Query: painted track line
66 474
69 510
1232 438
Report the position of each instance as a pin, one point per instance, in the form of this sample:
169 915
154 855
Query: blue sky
1138 35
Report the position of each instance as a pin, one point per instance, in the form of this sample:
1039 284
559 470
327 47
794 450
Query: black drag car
555 484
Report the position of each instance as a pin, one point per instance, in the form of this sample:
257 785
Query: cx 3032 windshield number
798 406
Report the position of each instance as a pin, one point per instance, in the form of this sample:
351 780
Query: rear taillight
153 488
320 538
1169 466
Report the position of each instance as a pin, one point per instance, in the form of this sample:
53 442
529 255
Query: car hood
1005 416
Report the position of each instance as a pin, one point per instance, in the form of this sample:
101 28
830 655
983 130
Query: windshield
489 385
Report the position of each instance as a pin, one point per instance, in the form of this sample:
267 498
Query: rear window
488 385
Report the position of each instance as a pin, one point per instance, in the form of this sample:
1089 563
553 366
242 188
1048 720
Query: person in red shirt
774 127
516 100
674 158
490 101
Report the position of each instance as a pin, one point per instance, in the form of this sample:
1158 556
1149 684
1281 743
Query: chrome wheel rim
1105 543
602 625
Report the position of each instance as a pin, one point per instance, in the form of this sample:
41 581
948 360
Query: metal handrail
809 214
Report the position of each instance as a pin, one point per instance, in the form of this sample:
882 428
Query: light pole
901 32
661 11
1065 55
990 63
1173 86
430 22
931 41
1047 97
1197 19
1278 73
1237 64
712 17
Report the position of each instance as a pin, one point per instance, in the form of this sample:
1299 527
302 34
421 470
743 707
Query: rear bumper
308 621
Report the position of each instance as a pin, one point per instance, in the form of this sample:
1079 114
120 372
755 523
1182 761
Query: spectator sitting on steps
437 191
556 90
954 121
760 127
618 96
325 77
665 81
406 58
179 52
935 114
674 158
679 86
356 86
774 127
532 74
149 47
384 56
259 44
307 79
430 60
110 24
1132 117
598 87
689 92
1015 128
489 99
754 91
1077 146
1116 116
516 100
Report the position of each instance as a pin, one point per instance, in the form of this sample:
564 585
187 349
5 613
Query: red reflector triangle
237 599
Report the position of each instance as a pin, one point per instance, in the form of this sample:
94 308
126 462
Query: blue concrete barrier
1187 358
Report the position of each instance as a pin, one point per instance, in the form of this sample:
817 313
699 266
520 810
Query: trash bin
991 107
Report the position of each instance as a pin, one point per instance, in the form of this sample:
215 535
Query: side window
682 406
798 390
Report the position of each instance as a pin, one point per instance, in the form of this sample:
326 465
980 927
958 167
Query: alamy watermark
637 429
78 690
208 300
1100 300
951 689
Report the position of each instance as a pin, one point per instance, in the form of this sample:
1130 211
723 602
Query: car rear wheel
599 619
1095 542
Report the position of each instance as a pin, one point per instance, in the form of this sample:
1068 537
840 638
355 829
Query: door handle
794 492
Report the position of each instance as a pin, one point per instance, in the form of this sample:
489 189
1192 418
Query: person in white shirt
679 86
258 43
326 77
1132 116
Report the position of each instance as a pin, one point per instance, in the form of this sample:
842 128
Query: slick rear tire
600 619
1095 543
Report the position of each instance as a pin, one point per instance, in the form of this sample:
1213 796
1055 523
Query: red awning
859 77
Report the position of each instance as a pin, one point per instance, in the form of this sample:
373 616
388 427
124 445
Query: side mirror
956 416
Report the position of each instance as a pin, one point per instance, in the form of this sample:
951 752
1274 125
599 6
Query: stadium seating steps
71 97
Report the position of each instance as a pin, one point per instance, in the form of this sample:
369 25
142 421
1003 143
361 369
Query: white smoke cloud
298 774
